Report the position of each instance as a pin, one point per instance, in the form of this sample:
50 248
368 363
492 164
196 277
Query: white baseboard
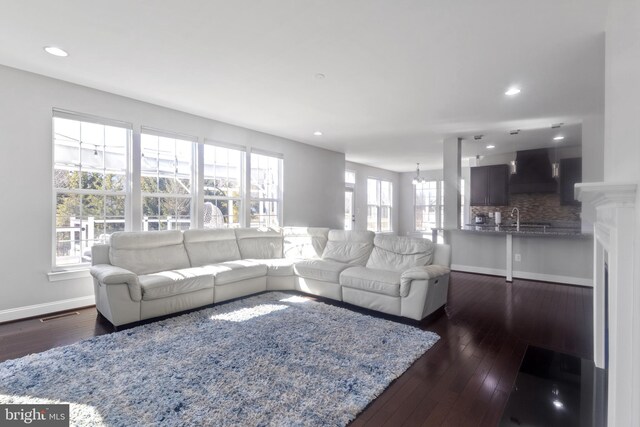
569 280
46 308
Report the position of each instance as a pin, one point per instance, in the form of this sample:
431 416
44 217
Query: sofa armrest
426 272
107 274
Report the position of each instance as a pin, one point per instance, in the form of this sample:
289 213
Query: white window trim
195 184
247 193
379 206
355 177
72 271
438 205
243 180
133 192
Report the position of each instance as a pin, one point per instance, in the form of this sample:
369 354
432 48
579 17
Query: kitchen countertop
533 231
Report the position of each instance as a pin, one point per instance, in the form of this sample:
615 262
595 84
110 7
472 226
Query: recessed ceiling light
319 76
558 404
512 91
317 133
490 146
558 138
56 51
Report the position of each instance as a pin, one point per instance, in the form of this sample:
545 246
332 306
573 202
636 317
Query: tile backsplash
533 207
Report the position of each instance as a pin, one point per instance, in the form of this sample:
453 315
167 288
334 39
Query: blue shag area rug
270 359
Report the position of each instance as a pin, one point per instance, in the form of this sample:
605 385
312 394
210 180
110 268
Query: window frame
133 194
379 205
438 206
195 183
250 199
126 192
203 198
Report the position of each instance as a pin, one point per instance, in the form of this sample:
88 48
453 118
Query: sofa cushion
400 253
175 282
372 280
211 246
320 269
259 243
277 266
304 242
235 271
147 252
351 247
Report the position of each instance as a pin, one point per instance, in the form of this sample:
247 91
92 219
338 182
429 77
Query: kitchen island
551 254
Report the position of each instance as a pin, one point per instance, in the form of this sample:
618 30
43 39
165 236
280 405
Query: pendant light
417 179
555 166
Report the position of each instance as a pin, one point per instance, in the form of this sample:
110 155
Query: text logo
34 415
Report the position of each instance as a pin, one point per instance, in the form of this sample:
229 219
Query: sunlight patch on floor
296 299
249 313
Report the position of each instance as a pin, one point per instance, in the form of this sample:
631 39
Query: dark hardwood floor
463 380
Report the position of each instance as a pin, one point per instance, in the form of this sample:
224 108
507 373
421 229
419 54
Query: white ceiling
400 75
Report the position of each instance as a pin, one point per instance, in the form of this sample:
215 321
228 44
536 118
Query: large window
90 184
379 205
223 178
428 205
266 193
94 180
166 181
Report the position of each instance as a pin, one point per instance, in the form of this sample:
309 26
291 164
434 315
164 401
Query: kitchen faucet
517 218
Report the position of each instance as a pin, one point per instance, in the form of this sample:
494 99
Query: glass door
349 217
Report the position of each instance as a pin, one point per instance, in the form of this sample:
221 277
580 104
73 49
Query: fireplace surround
616 293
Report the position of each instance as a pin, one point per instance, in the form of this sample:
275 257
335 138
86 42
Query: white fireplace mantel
616 245
603 194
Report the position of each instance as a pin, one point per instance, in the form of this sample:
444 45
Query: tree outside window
166 182
90 185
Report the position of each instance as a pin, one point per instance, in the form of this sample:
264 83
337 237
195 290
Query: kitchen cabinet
570 174
489 185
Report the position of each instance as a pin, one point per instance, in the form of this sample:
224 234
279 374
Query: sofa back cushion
144 252
261 243
211 246
352 247
304 242
400 253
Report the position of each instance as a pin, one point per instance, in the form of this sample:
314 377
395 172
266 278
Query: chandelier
418 179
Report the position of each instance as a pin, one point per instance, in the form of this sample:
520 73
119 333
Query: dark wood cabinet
489 185
570 174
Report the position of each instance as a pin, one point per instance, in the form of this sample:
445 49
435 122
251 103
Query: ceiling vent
514 132
478 137
557 126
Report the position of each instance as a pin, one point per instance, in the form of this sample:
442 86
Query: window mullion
73 195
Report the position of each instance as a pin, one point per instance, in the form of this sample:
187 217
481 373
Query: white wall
363 172
313 179
622 92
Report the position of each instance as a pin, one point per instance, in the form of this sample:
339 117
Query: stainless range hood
534 173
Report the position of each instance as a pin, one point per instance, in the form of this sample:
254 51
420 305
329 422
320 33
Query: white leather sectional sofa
141 275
